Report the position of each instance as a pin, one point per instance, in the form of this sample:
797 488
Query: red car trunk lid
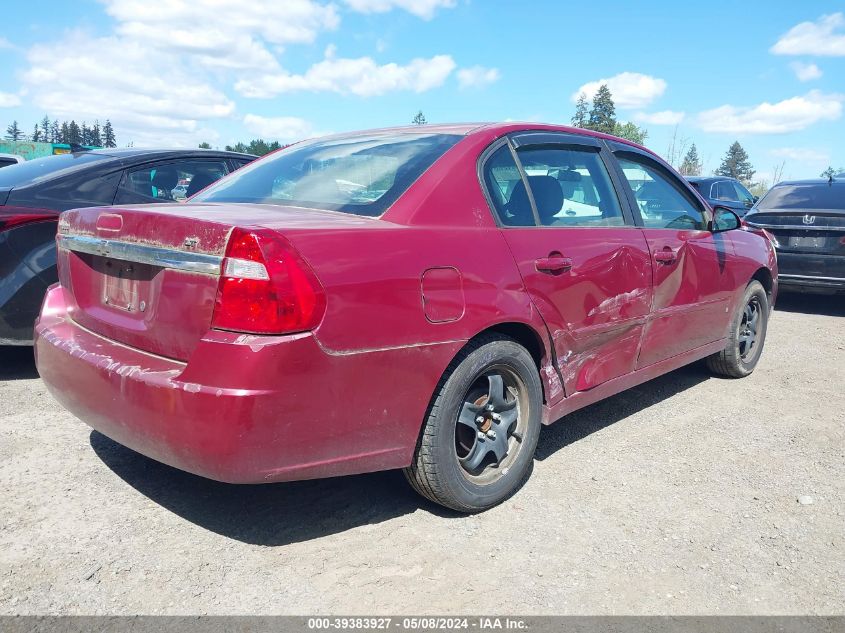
145 277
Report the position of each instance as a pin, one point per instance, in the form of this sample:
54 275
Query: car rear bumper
799 271
244 409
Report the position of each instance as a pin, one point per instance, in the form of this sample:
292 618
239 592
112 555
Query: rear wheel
477 444
747 335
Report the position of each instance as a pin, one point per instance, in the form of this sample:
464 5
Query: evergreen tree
830 172
96 134
419 119
74 134
85 134
55 132
45 129
36 135
13 132
603 113
580 119
630 131
109 139
691 165
238 147
64 135
735 164
204 145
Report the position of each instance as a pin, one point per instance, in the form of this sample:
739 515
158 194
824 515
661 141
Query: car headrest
548 196
567 175
518 207
199 182
165 178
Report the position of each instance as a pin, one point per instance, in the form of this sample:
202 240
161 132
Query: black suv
720 191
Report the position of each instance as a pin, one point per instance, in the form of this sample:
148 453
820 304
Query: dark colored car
417 298
720 191
807 219
32 194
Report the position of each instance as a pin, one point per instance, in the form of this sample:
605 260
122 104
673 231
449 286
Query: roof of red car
496 128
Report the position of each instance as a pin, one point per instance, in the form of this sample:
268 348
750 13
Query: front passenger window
661 203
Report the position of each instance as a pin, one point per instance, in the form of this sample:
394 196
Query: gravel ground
678 497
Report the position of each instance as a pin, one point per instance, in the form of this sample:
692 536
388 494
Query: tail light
10 217
266 287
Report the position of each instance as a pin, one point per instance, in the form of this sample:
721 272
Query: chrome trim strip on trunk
811 277
142 253
792 227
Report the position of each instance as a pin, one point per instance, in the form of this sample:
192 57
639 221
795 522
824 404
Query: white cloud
789 115
4 43
149 99
477 76
629 90
223 36
421 8
805 72
802 154
284 128
824 37
360 76
162 75
8 100
664 117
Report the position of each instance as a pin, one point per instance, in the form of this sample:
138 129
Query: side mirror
755 198
725 220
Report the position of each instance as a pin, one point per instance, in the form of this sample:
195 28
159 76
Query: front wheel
746 337
477 444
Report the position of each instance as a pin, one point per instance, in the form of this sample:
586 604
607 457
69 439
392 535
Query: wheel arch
764 276
523 334
538 347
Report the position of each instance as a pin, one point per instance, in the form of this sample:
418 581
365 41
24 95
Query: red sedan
421 298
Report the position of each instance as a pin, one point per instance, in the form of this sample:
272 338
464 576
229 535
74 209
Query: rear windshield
38 169
362 175
810 196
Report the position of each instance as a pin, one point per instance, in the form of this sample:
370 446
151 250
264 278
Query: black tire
444 467
740 356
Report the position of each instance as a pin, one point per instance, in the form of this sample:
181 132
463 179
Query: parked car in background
720 191
807 220
7 160
416 298
180 192
33 193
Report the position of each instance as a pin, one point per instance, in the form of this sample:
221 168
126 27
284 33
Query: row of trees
48 131
256 146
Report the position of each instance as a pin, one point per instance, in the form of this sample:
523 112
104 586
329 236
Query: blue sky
770 74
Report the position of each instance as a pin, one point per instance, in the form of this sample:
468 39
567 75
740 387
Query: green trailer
30 150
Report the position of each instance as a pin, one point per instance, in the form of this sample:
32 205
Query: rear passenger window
661 203
725 191
506 189
174 181
571 187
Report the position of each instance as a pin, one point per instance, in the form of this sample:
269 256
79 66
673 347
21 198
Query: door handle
666 256
553 264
